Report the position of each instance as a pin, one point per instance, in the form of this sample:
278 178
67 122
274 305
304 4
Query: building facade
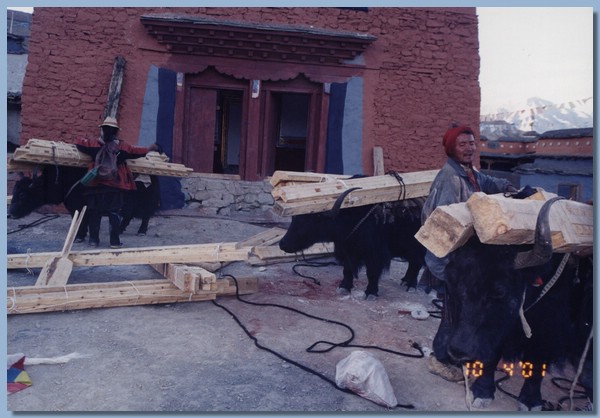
247 91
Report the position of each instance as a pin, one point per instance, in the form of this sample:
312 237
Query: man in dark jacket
105 196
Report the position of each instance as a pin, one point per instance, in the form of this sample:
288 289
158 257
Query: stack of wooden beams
500 220
39 151
299 193
186 268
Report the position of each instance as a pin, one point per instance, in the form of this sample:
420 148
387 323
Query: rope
13 300
364 218
524 323
547 287
137 290
27 259
468 394
552 281
343 183
311 349
400 180
580 367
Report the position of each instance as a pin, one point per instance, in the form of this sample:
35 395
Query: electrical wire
311 349
34 223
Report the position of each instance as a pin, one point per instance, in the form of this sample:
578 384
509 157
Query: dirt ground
195 357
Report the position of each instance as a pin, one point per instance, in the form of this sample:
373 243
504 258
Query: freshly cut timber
132 256
39 151
312 197
447 228
499 220
35 299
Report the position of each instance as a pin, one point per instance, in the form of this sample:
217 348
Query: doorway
291 121
226 159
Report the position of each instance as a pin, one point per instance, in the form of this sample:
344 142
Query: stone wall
226 195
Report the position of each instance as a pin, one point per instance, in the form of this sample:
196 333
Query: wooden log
313 198
31 299
498 220
447 228
132 256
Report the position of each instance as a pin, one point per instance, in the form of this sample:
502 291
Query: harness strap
552 281
364 218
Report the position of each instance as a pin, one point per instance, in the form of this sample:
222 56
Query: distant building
18 26
559 161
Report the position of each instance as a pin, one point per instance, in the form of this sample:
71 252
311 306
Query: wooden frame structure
185 268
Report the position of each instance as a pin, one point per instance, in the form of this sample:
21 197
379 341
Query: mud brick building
246 91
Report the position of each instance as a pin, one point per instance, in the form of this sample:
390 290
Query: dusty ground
195 357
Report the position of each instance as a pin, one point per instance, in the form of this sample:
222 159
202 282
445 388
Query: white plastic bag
363 374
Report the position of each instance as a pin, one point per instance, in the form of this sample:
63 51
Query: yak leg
126 219
530 397
350 273
484 388
144 226
410 277
374 272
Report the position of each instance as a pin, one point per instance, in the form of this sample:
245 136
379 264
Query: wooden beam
264 238
187 278
31 299
319 197
378 168
284 177
114 89
266 255
144 255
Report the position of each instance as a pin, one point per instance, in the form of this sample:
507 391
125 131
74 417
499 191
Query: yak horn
333 212
542 246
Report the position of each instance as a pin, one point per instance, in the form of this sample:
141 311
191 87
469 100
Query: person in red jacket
105 196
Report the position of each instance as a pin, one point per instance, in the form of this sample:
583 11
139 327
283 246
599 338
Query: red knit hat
450 136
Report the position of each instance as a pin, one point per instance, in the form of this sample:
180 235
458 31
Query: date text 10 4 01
526 368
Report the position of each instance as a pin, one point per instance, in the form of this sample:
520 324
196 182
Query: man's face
465 147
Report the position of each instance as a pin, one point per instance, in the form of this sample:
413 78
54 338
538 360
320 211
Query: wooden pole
114 90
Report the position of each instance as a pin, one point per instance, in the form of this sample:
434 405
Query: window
568 191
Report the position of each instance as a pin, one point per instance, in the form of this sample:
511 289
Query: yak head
308 229
27 196
486 285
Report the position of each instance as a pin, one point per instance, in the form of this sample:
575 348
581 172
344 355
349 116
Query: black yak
511 303
369 236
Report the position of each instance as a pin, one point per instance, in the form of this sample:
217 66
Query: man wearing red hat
455 183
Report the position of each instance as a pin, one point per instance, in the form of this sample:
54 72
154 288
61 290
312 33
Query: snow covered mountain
541 115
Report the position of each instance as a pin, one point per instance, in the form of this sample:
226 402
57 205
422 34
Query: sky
526 52
544 52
